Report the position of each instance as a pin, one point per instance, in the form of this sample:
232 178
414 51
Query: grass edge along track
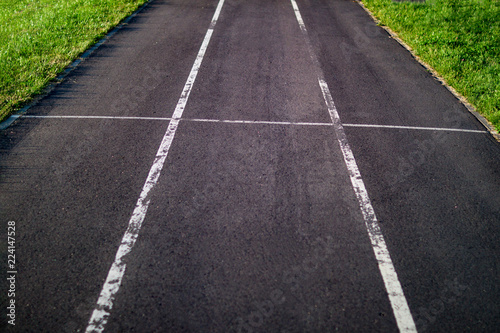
40 38
459 39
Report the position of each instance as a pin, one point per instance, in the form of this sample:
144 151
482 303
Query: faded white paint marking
96 117
257 122
393 287
416 128
113 281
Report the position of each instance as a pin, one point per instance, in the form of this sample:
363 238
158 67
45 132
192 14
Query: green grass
39 38
460 39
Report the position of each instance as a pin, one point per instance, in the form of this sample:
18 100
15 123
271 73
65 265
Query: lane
436 193
254 226
250 219
71 186
258 60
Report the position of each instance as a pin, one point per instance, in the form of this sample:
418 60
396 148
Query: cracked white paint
113 281
397 298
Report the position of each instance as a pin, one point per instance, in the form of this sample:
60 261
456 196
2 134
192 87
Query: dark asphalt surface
251 227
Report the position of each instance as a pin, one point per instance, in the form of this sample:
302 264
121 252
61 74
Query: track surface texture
253 215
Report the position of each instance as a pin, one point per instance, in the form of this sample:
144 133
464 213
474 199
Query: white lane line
113 281
256 122
416 128
393 287
97 117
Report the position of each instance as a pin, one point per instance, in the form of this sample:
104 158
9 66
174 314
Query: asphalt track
255 223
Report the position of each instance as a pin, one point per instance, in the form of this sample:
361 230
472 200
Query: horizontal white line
97 117
260 122
415 128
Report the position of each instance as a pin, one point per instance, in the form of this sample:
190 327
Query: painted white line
113 281
250 122
393 287
415 128
255 122
97 117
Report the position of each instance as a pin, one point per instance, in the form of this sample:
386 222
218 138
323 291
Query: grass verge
460 39
39 38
